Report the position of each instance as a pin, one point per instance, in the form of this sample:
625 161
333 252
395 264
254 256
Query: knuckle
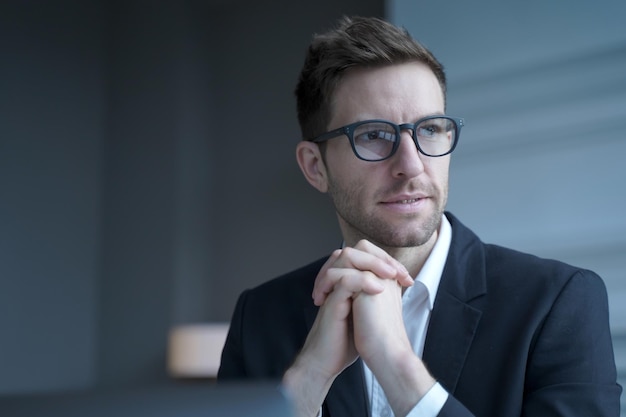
347 251
363 243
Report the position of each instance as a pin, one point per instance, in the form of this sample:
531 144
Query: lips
403 199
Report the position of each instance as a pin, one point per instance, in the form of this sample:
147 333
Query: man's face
397 202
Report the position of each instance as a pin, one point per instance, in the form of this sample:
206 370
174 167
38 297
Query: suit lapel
455 316
450 333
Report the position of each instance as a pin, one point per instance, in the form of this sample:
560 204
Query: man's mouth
404 199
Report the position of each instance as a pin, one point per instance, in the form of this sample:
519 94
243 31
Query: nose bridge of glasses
410 128
407 126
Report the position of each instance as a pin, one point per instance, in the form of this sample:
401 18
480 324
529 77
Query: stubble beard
363 225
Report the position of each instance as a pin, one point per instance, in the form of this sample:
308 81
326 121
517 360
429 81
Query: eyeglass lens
375 140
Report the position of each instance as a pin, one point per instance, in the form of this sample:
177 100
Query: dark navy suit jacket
510 335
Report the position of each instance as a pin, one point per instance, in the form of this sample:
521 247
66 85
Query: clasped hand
359 293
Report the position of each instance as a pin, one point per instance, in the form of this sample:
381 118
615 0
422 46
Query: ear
312 165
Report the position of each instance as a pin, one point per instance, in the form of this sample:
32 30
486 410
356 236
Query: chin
407 242
401 239
391 233
420 235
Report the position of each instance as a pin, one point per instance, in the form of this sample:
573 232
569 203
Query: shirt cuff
431 404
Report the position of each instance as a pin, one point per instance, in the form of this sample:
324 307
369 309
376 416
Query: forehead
400 93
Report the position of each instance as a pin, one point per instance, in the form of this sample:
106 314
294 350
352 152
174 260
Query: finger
364 260
402 274
405 280
350 258
322 284
329 346
349 282
364 256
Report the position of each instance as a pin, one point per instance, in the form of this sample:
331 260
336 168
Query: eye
430 129
377 134
373 132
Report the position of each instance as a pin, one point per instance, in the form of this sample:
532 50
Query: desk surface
182 400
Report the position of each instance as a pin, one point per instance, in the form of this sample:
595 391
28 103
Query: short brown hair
355 42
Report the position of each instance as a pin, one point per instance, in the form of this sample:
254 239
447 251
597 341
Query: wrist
306 388
405 381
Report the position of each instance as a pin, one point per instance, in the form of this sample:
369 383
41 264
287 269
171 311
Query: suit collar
430 274
455 317
464 275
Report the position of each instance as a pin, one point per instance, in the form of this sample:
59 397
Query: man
414 315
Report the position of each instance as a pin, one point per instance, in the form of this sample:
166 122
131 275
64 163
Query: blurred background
147 170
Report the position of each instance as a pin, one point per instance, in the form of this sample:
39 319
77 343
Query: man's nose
407 160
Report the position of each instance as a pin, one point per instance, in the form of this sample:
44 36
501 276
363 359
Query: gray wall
146 176
52 127
540 164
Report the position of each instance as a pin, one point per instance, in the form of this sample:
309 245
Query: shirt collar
430 274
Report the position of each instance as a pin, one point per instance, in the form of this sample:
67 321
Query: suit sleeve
232 364
571 369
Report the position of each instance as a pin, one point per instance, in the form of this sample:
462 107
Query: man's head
368 70
356 42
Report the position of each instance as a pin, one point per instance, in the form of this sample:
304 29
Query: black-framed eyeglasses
377 140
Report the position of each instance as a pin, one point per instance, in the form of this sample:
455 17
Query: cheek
344 180
438 171
341 149
350 183
342 165
439 168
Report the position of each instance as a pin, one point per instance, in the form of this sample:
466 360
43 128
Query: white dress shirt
417 304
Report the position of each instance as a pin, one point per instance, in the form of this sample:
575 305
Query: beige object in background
194 350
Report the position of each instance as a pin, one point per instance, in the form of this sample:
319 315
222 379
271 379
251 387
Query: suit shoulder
509 263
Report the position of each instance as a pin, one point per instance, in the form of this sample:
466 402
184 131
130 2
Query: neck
414 258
